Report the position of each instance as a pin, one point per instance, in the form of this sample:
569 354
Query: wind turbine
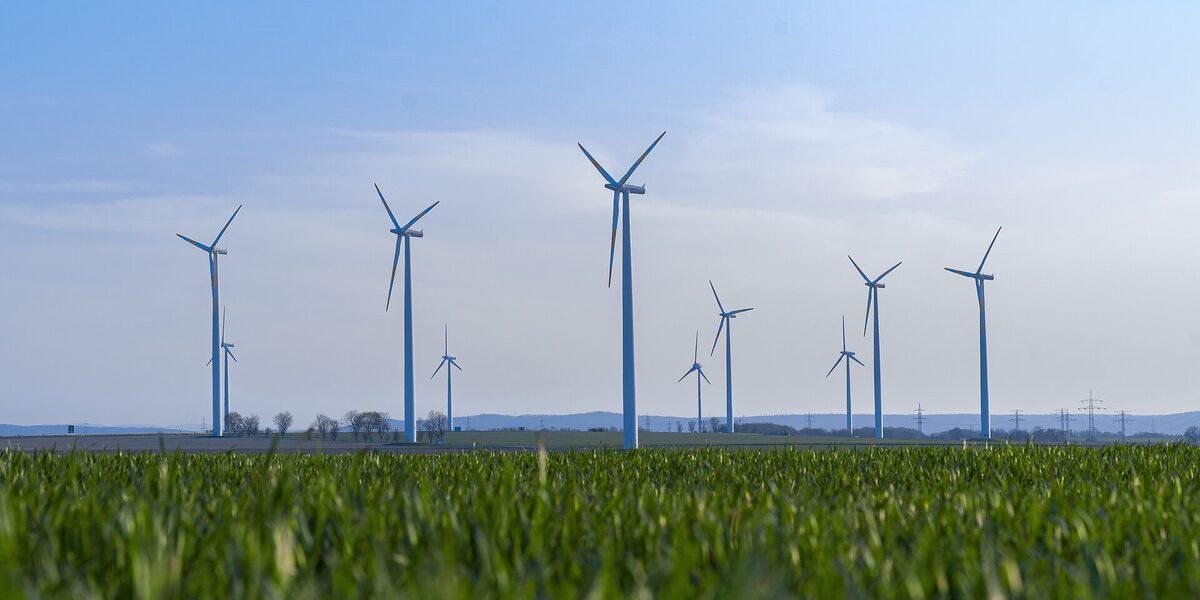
213 252
225 347
403 233
699 373
726 323
621 191
985 417
848 356
446 358
873 296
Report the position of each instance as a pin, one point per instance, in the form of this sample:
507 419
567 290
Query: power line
1121 420
1016 418
920 419
809 418
1091 412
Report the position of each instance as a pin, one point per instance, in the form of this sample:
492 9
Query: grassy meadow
908 522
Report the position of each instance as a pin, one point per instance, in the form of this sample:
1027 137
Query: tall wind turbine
873 285
985 417
699 373
447 359
727 317
213 252
405 233
847 356
228 353
621 191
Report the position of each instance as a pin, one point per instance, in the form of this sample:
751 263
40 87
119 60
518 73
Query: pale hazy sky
797 133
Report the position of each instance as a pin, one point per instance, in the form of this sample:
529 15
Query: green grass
1118 521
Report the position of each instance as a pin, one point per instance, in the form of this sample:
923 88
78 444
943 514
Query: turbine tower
699 373
225 347
621 191
847 356
726 323
213 252
403 234
453 362
873 285
985 417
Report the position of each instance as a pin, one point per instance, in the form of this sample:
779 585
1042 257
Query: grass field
1119 521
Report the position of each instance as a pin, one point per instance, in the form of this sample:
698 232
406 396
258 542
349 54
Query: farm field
705 522
454 441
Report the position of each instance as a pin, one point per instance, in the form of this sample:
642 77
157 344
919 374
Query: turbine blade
689 372
885 273
239 208
640 159
867 319
696 351
395 263
714 289
843 333
208 363
413 221
455 365
387 208
741 310
446 339
222 326
439 368
835 365
194 242
857 361
704 376
989 250
963 273
231 354
612 245
716 339
607 177
856 268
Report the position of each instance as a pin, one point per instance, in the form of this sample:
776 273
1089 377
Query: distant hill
7 430
1172 424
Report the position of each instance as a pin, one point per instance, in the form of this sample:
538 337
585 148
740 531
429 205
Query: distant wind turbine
621 191
404 233
848 356
228 354
985 418
213 252
873 296
447 359
699 370
726 323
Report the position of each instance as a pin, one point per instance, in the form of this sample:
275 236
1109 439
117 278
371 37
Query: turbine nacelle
978 276
627 188
220 251
410 233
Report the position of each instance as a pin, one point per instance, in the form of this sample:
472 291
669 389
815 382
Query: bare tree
355 421
678 427
691 426
326 426
283 422
375 421
435 425
250 425
233 423
713 424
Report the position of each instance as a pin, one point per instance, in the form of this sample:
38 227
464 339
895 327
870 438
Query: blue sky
798 132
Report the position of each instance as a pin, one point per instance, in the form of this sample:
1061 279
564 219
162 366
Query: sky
797 133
